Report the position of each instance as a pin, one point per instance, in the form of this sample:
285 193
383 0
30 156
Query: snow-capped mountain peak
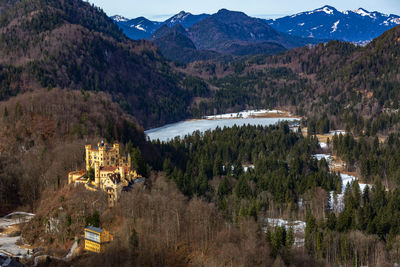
327 9
182 15
118 18
364 13
179 17
142 28
330 24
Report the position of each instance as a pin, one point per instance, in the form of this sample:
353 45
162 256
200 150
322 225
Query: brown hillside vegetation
153 227
42 134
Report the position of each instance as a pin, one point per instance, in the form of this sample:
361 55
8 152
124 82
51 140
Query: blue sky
162 9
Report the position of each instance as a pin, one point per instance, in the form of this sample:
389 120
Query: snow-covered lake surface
170 131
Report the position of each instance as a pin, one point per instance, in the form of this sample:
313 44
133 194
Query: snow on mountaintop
395 20
180 16
119 18
364 13
327 9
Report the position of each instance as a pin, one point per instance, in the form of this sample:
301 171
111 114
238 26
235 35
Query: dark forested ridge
282 159
71 44
356 87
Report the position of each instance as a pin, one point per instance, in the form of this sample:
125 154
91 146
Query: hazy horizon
162 10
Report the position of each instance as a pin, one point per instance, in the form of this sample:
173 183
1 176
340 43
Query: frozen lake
170 131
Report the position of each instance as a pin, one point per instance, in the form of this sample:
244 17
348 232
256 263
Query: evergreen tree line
370 157
210 165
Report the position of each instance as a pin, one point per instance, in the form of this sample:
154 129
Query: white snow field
170 131
337 204
244 114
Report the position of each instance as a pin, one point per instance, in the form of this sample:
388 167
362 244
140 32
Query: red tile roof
109 168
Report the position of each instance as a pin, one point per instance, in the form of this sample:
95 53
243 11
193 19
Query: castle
105 170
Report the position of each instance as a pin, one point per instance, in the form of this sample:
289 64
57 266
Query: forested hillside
357 87
70 44
69 77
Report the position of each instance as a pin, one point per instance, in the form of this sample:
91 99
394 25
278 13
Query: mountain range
357 26
186 38
142 28
325 23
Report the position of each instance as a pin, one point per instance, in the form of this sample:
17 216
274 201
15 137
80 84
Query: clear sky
162 9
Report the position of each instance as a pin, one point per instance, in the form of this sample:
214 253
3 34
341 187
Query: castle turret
116 147
122 173
87 150
129 160
97 174
102 153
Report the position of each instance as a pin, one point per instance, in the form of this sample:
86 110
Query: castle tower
116 147
87 150
129 161
97 174
122 173
102 153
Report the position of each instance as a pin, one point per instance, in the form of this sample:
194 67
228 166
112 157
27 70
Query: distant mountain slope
142 28
70 44
185 19
138 28
219 31
177 46
328 23
343 81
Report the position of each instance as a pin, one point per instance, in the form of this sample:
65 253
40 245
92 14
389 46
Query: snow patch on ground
297 226
140 28
337 132
323 145
8 244
316 27
337 204
247 167
15 218
327 157
244 114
